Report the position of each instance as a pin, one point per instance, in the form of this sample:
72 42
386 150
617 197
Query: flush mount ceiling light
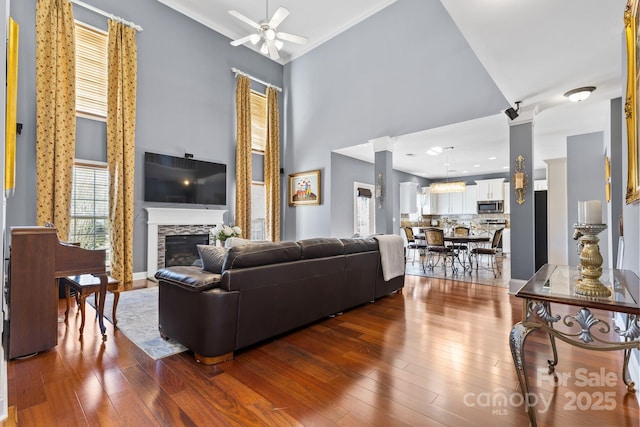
579 94
434 151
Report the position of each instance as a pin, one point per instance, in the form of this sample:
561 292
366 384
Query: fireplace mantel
174 216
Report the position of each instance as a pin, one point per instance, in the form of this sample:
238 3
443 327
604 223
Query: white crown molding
384 143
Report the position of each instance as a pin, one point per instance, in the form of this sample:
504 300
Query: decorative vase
218 243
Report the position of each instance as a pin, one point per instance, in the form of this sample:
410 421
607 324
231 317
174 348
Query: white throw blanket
391 249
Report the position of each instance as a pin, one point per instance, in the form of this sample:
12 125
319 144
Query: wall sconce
379 191
520 180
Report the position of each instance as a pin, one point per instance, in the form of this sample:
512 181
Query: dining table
469 241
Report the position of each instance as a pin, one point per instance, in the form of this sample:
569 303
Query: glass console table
584 329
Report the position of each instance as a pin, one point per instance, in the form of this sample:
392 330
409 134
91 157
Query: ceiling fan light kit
267 32
579 94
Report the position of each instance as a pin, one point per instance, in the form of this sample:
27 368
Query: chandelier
447 186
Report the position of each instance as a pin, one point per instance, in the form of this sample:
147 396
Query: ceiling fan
272 40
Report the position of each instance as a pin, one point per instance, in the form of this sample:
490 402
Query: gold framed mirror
631 21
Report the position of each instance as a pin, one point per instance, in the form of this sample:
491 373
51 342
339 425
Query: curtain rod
255 79
107 14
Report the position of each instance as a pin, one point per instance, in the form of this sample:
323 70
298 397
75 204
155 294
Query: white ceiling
535 50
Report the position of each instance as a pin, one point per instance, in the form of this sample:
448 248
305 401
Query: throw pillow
235 241
212 257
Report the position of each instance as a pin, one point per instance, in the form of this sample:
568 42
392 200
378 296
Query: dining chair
436 248
461 249
410 243
491 252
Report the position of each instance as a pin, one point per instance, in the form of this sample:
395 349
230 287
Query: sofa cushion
320 247
189 277
212 257
352 246
255 254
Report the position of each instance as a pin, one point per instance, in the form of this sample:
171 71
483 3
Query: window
89 224
258 143
91 71
364 209
258 211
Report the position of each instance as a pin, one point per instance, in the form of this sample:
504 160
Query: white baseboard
140 275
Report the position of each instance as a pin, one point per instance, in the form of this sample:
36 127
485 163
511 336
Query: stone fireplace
162 222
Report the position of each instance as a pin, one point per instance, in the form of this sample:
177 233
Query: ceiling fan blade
278 17
273 52
292 38
241 40
244 19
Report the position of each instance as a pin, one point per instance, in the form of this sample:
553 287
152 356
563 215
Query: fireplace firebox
182 250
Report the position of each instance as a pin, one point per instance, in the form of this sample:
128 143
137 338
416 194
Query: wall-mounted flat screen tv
172 179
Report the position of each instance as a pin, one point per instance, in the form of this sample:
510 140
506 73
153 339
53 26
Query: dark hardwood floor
437 354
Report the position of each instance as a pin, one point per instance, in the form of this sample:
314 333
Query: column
383 180
522 220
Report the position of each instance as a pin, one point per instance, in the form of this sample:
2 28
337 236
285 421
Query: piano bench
85 285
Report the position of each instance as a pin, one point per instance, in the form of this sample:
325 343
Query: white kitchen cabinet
506 241
408 197
490 189
429 202
470 204
507 198
450 203
540 185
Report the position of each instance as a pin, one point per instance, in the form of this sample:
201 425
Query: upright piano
37 259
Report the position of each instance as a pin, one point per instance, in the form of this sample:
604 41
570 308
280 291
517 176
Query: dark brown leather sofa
267 289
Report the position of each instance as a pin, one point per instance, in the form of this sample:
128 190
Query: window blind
91 71
258 121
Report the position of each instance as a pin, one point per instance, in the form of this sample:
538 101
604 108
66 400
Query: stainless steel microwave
490 206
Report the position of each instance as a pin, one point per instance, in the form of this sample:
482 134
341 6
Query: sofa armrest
191 278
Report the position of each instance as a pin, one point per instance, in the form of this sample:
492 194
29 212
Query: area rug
137 316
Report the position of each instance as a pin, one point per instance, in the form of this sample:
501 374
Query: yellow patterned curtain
272 167
243 156
55 112
121 129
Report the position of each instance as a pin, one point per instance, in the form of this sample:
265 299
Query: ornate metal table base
579 333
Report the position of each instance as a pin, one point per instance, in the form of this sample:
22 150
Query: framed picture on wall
631 21
304 188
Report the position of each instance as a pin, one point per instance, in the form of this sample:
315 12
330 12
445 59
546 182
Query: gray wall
406 68
585 181
186 100
615 156
344 172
